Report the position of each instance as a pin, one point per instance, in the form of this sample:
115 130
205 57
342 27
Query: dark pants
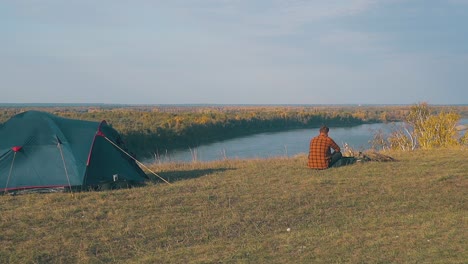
336 156
338 160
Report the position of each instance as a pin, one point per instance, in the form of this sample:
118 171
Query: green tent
41 151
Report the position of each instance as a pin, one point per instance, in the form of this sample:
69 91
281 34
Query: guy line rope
139 163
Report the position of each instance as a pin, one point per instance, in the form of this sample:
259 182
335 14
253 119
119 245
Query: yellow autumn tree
426 129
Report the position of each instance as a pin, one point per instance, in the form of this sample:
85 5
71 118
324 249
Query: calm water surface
287 143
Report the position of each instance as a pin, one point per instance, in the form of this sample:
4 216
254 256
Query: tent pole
64 164
9 174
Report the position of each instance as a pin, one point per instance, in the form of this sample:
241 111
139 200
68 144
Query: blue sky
234 51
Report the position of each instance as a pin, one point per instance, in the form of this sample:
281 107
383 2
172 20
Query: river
286 144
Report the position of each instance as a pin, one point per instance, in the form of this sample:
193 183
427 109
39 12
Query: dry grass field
254 211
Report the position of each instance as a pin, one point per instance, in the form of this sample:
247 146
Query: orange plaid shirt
320 152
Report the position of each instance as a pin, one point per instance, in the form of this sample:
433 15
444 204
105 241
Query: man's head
324 130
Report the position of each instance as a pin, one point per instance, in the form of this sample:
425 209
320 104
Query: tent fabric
41 150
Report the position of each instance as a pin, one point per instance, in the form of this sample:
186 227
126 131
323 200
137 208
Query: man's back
319 151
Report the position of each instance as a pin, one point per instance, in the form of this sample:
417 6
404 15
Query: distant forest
147 130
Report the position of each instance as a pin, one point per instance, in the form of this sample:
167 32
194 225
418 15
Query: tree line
151 129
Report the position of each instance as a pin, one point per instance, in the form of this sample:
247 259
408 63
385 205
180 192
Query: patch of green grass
254 211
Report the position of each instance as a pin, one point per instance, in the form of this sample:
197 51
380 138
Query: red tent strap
16 148
99 133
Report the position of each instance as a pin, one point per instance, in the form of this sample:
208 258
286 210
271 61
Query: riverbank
272 144
254 211
281 144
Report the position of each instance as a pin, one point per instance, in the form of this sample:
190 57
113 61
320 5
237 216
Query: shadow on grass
172 176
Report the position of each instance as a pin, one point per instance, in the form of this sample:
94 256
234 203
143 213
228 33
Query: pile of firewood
375 156
369 155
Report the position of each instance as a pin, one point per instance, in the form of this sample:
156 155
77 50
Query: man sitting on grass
320 156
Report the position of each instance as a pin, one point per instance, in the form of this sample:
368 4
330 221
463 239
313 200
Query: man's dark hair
324 129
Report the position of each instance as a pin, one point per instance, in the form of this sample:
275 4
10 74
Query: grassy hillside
254 211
